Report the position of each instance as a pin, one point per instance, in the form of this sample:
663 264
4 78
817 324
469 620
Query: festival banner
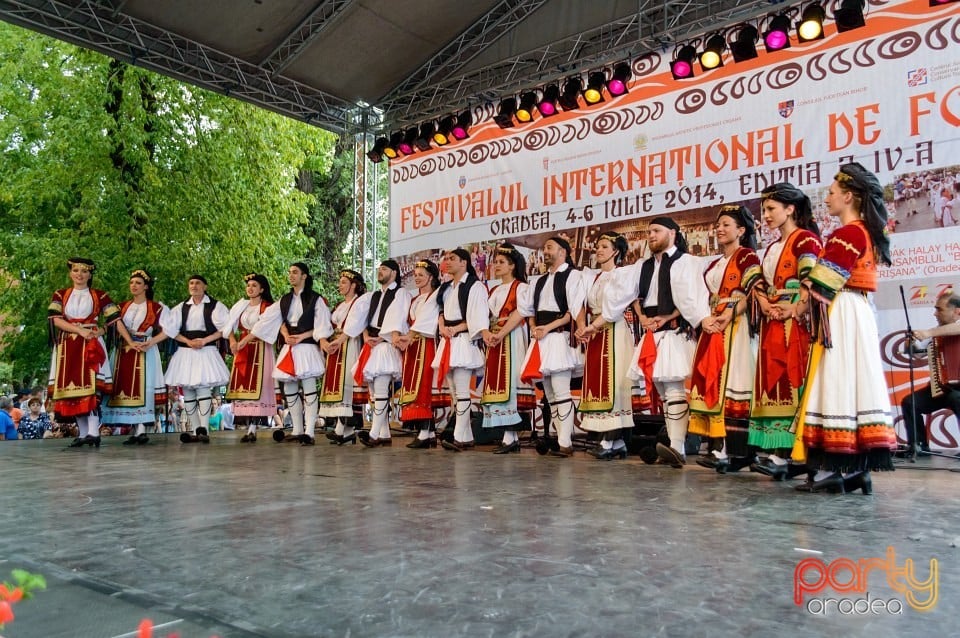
886 95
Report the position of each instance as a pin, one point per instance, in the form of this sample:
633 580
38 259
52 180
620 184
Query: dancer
340 400
302 318
379 361
505 398
552 303
672 300
784 338
463 316
251 388
78 365
137 374
418 344
845 411
606 400
726 356
197 366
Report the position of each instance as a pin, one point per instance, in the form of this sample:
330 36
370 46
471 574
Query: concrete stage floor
230 539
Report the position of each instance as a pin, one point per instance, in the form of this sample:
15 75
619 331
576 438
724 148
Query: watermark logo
785 109
812 578
917 77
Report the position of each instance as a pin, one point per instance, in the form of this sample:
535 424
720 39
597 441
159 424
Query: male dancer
552 302
379 363
302 318
672 300
463 317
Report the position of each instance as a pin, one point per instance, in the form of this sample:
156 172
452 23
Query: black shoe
859 481
306 439
133 440
834 482
333 437
202 435
245 438
711 461
737 463
796 469
143 439
648 455
668 456
92 441
422 444
187 437
351 439
78 442
767 467
508 448
279 436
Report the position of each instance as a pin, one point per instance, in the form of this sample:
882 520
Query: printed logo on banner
785 108
920 294
462 181
917 77
546 163
640 142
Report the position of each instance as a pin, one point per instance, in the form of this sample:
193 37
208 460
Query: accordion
944 356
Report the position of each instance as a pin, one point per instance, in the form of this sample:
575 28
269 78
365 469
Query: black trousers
923 402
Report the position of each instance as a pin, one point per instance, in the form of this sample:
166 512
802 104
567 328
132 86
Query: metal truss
366 198
306 32
657 26
102 27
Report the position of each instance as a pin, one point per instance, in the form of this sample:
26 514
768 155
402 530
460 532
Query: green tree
132 169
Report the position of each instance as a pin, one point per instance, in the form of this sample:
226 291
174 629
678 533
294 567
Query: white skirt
463 353
196 368
674 357
384 360
308 362
556 355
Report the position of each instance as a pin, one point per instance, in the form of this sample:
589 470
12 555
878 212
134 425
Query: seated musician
944 389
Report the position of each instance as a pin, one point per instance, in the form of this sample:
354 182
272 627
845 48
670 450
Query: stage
270 539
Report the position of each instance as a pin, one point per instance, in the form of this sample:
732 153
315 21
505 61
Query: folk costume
79 368
505 396
419 396
341 400
197 371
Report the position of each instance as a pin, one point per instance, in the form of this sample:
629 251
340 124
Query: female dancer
339 399
504 395
197 324
784 339
606 399
251 386
78 365
137 375
845 410
726 356
418 346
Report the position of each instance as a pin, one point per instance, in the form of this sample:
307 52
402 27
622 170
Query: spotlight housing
444 129
712 56
810 26
528 101
427 129
461 130
391 149
504 116
682 65
569 99
617 84
777 36
376 154
744 46
849 15
593 94
548 101
409 139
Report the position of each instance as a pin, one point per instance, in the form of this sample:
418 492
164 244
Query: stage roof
352 65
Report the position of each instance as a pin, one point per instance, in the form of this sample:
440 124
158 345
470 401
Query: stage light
744 47
396 138
528 101
849 15
461 129
548 103
712 56
937 3
569 99
593 94
444 130
409 139
617 84
504 116
777 36
376 154
682 65
427 129
810 26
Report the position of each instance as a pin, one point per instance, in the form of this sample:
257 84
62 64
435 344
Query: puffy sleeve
235 311
806 250
322 327
109 310
268 325
478 313
356 319
395 319
163 318
839 256
221 318
619 294
690 294
171 321
576 292
428 315
525 298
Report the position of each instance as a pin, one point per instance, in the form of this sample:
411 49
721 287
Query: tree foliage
135 170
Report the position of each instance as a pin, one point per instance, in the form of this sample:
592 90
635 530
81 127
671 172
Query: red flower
11 596
6 612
